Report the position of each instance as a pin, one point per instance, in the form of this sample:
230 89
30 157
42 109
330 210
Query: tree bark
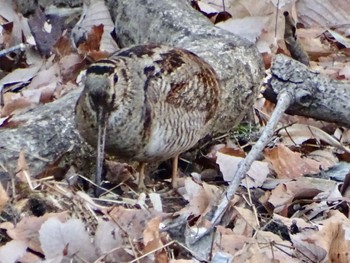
176 23
44 134
47 132
321 98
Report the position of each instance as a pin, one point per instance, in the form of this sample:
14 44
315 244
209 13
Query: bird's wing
182 80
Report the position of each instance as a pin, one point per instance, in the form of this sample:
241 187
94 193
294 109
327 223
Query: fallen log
47 132
321 98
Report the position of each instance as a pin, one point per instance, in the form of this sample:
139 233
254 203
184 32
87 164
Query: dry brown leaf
118 173
256 174
96 14
22 171
93 40
282 249
301 223
280 199
20 23
331 13
340 38
227 241
66 240
49 76
110 240
299 133
70 67
301 188
312 42
259 20
247 27
319 184
182 261
28 227
315 210
21 75
133 221
329 241
345 71
63 46
151 236
196 196
161 256
15 103
332 65
232 152
252 253
5 36
214 149
46 31
207 8
325 156
345 137
64 89
289 164
4 121
246 222
340 245
305 244
12 251
108 236
200 197
3 198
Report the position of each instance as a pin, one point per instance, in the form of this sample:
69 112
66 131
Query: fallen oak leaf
256 174
12 251
68 239
289 164
299 133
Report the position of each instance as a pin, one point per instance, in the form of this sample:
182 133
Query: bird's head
99 86
99 94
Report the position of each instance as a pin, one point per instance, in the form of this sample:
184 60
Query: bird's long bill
101 138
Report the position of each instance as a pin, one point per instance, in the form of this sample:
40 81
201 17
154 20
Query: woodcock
149 102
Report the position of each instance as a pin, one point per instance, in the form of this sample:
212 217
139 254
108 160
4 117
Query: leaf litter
288 209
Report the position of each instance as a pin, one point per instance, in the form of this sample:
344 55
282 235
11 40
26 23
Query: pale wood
48 131
319 96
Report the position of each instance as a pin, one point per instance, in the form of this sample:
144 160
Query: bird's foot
141 187
175 183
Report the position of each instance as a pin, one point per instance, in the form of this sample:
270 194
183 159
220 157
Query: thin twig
250 203
11 49
284 101
133 248
106 254
3 167
166 245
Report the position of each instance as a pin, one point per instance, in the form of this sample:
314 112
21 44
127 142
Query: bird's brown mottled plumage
158 102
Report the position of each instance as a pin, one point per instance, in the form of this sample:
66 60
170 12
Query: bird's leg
141 184
174 171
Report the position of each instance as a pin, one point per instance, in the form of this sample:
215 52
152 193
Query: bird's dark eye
115 78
